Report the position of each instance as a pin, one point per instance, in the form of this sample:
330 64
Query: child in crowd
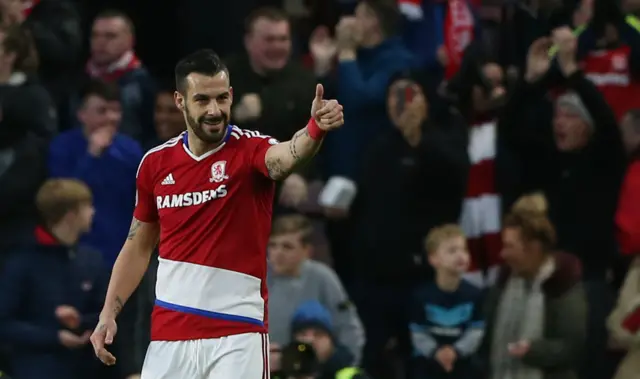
446 315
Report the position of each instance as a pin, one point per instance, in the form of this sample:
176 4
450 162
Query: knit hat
311 314
573 102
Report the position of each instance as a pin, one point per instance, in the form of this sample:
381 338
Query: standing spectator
423 161
270 88
113 59
579 165
294 278
438 32
609 51
57 32
536 314
169 121
369 53
98 154
447 324
27 122
51 293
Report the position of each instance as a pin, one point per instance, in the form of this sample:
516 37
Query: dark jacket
34 282
559 351
402 193
23 169
285 95
582 187
111 178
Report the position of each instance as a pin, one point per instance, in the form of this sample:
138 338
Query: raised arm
282 159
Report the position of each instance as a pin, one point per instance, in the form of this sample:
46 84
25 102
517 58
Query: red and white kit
214 211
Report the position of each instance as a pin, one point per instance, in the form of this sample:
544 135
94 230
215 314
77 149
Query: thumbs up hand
327 113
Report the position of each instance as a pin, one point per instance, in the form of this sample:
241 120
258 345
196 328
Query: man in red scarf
113 59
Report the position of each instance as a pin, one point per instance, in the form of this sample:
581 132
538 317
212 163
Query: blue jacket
425 35
33 283
362 88
112 179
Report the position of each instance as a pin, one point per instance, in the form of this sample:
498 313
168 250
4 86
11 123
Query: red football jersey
214 213
610 71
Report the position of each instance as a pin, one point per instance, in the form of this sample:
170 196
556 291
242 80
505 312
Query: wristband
314 130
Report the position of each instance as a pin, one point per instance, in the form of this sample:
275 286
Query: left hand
327 113
519 349
68 316
346 33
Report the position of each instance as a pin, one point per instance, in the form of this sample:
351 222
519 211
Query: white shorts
243 356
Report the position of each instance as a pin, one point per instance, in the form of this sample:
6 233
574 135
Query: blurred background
478 215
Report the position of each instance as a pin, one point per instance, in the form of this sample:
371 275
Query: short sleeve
261 144
146 210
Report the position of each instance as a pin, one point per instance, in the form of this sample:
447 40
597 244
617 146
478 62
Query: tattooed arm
131 265
282 159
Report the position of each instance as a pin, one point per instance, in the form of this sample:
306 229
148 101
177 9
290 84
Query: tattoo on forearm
133 230
118 306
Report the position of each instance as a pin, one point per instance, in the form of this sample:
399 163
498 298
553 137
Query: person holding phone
418 167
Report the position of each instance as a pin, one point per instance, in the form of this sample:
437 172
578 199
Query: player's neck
447 281
199 147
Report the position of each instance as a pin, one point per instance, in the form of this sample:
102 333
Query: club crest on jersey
218 172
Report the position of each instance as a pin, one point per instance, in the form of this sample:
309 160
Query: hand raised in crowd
519 349
323 49
347 33
446 356
68 316
294 191
100 139
567 44
73 341
538 61
327 113
249 108
103 335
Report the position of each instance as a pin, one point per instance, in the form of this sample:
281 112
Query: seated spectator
294 278
447 323
51 293
536 314
299 361
113 60
624 324
98 154
312 324
169 121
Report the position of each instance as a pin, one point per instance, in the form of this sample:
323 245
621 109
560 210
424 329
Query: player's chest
194 185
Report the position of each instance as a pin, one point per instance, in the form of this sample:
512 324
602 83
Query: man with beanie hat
312 324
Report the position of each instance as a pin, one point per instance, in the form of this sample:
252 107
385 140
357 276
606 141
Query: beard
208 128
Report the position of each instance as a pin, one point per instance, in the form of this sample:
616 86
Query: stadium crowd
478 216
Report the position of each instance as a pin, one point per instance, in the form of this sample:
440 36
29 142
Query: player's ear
231 94
179 100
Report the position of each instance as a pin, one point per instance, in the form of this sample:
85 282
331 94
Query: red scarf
116 70
28 7
458 34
